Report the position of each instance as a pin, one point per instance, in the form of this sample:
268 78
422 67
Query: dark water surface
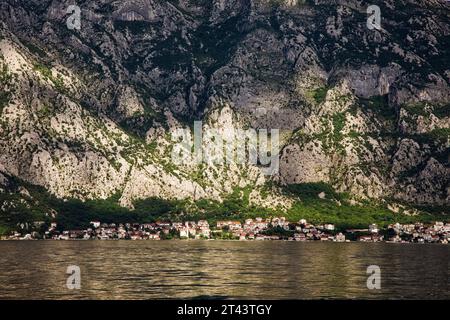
221 269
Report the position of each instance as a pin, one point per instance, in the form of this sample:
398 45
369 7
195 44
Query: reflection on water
221 269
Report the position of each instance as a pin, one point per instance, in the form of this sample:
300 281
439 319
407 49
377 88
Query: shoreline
273 229
220 240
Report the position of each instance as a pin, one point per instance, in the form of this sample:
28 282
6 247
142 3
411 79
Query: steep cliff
91 112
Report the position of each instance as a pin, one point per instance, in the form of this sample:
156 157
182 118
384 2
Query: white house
95 224
373 228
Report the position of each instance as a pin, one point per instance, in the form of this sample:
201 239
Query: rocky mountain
90 112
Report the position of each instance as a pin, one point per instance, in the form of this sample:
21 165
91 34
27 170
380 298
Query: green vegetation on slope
335 208
75 214
46 72
5 83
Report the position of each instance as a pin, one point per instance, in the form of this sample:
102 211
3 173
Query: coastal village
277 228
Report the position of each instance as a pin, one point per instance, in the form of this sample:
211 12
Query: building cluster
277 228
192 229
250 229
439 232
259 229
371 234
323 232
101 231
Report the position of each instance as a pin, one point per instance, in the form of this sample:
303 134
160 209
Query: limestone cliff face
88 113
